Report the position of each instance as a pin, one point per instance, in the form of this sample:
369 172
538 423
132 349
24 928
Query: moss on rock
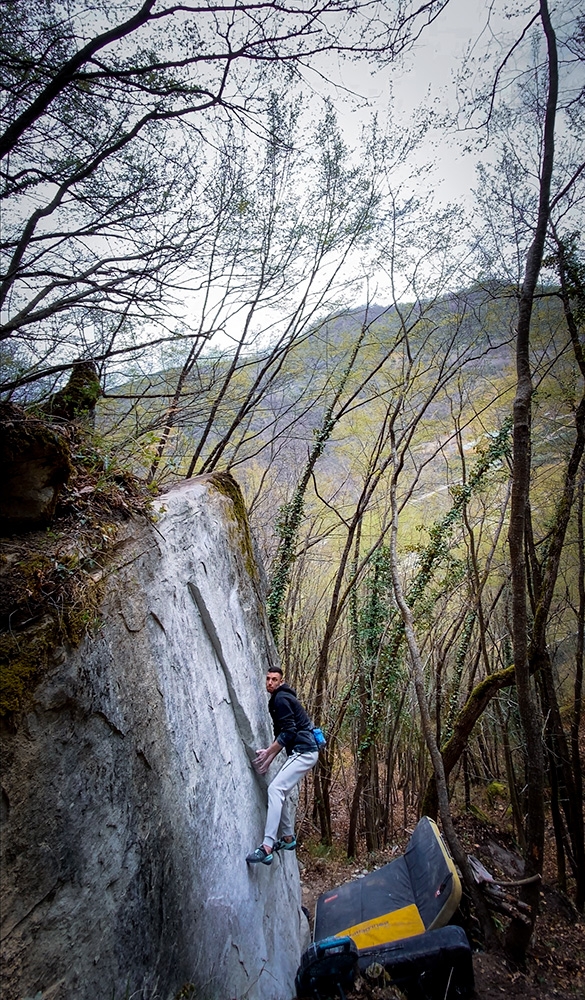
225 484
76 400
23 659
51 581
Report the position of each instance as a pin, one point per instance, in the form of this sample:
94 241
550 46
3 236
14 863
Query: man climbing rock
293 732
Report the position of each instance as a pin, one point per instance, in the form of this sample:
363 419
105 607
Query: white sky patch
424 81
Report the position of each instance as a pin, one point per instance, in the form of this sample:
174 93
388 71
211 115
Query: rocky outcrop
77 399
35 464
128 797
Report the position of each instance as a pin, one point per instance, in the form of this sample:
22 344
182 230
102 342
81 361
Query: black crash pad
417 892
436 965
396 918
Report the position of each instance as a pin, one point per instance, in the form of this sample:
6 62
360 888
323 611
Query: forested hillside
396 381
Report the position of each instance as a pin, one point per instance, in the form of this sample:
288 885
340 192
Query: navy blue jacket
292 727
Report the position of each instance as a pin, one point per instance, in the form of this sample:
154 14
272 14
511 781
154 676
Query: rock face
128 797
35 465
77 399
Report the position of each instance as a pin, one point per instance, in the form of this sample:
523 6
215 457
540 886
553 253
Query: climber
294 733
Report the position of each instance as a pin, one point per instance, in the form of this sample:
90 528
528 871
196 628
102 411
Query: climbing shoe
259 856
283 845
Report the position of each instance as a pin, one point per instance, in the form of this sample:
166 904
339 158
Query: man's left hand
262 761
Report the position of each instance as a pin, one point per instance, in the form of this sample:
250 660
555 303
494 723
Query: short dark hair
274 670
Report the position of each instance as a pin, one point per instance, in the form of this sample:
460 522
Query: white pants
280 807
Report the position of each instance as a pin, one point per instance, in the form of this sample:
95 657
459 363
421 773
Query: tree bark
519 933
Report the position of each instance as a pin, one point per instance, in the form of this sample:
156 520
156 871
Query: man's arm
284 713
287 727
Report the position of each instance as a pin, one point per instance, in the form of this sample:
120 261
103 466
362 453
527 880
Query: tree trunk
519 933
577 711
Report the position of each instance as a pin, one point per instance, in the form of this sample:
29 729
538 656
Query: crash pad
416 892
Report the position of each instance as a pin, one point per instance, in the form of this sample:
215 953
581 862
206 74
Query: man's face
273 681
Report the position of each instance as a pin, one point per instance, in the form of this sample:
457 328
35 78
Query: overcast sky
427 77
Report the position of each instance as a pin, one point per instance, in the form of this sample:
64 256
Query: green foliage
479 814
286 527
420 595
373 616
496 790
437 549
77 400
455 681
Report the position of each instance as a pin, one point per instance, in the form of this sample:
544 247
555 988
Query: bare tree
437 760
292 220
109 116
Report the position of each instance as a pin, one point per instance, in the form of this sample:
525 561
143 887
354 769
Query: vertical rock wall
128 798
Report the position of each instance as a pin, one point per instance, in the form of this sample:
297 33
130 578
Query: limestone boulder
128 797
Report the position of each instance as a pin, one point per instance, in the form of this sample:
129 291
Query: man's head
273 679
